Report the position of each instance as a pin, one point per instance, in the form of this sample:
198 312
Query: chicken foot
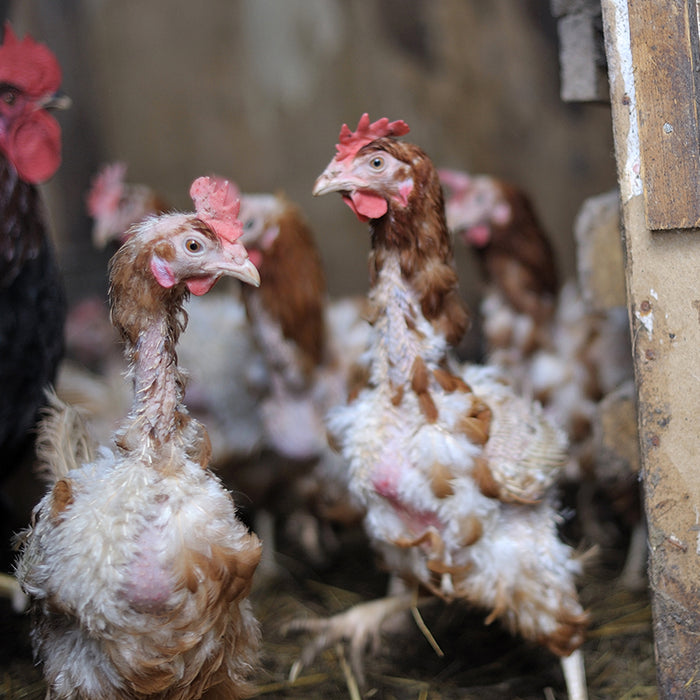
359 626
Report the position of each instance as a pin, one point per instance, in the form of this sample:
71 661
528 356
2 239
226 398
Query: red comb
217 203
106 190
350 142
28 65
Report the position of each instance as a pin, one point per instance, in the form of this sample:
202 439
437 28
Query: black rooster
32 301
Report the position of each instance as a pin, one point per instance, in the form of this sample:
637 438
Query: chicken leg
360 625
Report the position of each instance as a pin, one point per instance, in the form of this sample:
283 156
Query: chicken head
29 80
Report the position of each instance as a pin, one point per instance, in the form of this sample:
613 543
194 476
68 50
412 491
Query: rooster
454 470
136 564
32 303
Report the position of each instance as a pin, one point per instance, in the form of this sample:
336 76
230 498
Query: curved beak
243 270
333 179
58 100
235 263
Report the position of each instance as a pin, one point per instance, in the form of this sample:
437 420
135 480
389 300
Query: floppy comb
217 203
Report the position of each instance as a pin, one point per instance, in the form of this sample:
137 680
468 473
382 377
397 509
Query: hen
216 347
32 304
116 205
136 565
311 348
552 345
568 352
454 470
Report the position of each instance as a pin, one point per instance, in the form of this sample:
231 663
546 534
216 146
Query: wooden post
651 50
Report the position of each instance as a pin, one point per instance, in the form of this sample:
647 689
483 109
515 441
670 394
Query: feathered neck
519 259
292 288
149 319
22 229
416 236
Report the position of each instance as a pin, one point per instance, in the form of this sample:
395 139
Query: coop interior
256 91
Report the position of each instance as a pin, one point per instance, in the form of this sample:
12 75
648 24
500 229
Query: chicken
32 303
116 205
551 344
136 564
454 469
574 358
217 346
311 347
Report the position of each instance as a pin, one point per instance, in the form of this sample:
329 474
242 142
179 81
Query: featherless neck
158 384
150 320
401 332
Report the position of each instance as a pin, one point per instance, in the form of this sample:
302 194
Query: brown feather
440 478
61 498
520 259
484 479
419 232
293 286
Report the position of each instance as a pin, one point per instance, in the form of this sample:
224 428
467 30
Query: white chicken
136 564
551 344
453 469
557 345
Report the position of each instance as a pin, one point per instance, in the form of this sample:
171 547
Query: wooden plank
664 44
664 302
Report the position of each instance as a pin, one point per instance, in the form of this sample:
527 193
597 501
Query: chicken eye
9 97
193 245
249 224
377 163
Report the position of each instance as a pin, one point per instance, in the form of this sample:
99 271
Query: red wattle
34 147
256 257
478 235
201 285
366 205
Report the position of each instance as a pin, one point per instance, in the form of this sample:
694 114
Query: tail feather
63 441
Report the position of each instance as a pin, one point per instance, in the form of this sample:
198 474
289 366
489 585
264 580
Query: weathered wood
664 302
664 43
599 262
581 56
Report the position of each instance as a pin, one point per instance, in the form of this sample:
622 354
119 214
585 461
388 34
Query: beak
248 273
333 179
58 100
236 264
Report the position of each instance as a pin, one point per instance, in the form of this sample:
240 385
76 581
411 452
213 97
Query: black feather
32 314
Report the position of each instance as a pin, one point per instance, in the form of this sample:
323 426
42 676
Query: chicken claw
360 626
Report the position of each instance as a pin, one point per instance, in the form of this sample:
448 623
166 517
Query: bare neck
416 308
150 320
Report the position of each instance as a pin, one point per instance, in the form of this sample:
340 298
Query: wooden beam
664 44
663 289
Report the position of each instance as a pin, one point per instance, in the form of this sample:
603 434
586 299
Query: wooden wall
257 90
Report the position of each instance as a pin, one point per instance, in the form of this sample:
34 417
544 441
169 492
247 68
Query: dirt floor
479 662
